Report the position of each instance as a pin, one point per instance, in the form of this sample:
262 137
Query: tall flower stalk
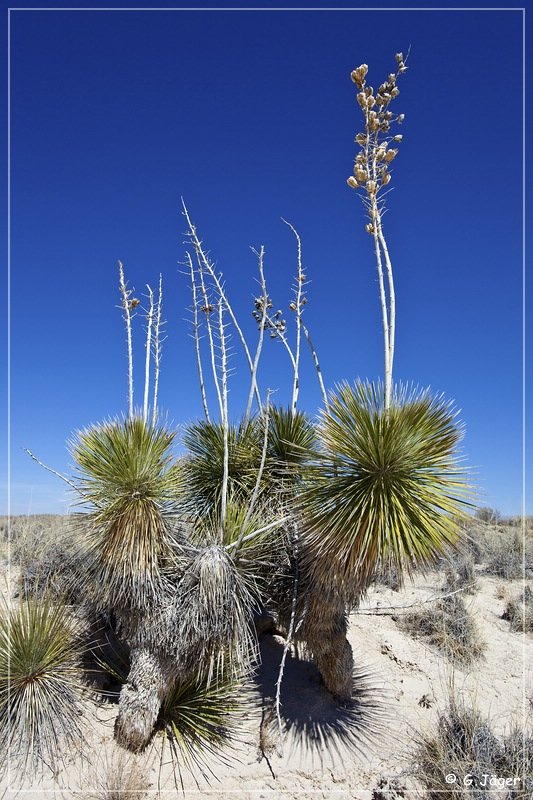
371 175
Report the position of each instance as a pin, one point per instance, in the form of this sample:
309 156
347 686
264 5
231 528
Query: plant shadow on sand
313 720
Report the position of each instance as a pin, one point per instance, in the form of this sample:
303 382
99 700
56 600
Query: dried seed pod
371 186
352 182
381 153
358 75
292 306
398 137
399 58
385 178
391 154
395 91
360 173
361 99
369 227
361 139
400 118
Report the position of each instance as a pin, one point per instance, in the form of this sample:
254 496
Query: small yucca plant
129 481
387 485
40 686
201 720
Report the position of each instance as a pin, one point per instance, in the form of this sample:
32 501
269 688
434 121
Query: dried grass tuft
449 626
464 745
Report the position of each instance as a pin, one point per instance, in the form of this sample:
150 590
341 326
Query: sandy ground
329 752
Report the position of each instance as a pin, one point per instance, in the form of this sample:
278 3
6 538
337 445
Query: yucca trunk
150 679
324 632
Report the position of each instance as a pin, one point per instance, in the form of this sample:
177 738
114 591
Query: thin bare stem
392 307
148 345
255 493
126 305
196 328
157 347
225 419
54 472
383 300
262 321
317 365
211 270
207 309
290 633
283 338
381 610
259 531
298 311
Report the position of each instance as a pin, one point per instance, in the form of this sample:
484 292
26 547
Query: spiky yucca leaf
291 440
387 484
129 481
203 466
200 721
40 688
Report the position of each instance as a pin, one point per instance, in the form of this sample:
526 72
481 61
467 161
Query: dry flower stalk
370 175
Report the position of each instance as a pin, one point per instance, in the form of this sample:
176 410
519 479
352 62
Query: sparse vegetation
121 777
519 611
447 625
464 745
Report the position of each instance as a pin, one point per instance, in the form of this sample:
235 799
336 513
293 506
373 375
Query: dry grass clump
460 573
449 626
121 777
463 745
519 611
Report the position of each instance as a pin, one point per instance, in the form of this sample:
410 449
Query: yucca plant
201 720
203 465
387 486
128 481
40 685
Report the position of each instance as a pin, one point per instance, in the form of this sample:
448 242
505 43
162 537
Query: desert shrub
47 550
489 515
448 625
464 745
519 611
505 549
508 553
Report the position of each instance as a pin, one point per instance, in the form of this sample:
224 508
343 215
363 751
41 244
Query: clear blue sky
251 116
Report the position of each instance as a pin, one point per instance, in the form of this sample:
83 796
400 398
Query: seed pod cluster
371 168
